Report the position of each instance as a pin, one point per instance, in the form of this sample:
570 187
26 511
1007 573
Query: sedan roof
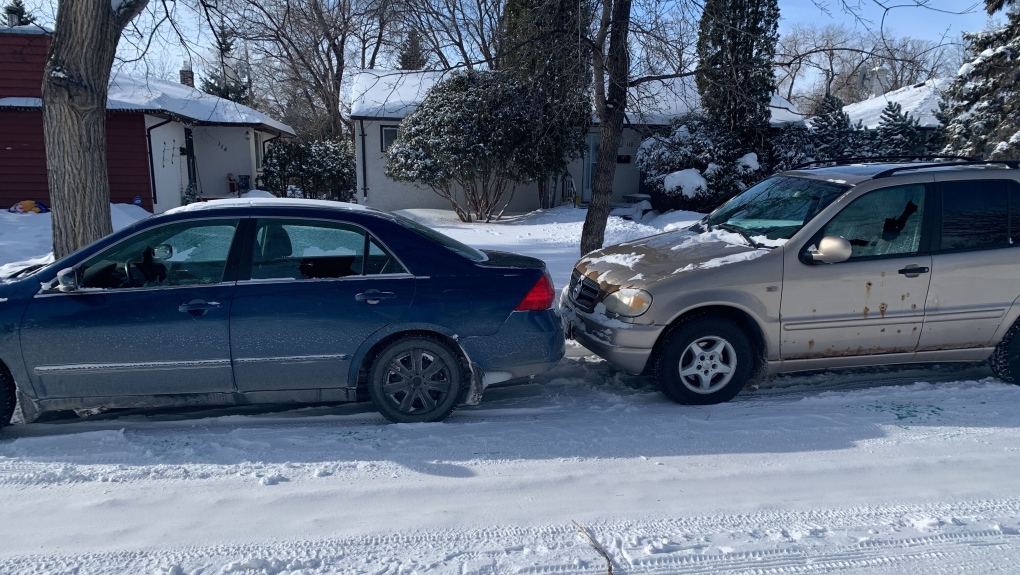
270 203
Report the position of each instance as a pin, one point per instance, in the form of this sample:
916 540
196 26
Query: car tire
415 380
705 361
8 397
1005 360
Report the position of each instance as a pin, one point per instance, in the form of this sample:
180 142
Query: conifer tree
736 49
898 133
412 52
983 111
226 82
542 51
833 134
21 14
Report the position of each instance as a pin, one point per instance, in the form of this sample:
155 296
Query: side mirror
831 250
163 252
67 280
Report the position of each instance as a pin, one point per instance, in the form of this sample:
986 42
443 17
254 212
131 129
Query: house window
389 134
259 150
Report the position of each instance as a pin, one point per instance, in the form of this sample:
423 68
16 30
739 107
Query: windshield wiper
737 230
26 270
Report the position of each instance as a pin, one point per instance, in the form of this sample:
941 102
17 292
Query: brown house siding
22 60
23 158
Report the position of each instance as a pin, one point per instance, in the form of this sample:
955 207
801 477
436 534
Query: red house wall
23 151
23 158
22 60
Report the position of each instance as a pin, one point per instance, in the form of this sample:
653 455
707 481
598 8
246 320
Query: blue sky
909 20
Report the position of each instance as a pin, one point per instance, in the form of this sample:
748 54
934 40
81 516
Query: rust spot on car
811 344
850 351
969 345
883 274
898 331
913 306
867 288
882 307
904 297
866 310
882 330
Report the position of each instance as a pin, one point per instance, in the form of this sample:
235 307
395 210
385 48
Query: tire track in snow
982 539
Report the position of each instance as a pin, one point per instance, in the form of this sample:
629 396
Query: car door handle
374 296
912 271
198 307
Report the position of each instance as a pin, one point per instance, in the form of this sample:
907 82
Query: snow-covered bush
470 141
697 166
983 114
322 169
791 145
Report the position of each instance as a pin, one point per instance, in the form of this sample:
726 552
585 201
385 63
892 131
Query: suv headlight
628 302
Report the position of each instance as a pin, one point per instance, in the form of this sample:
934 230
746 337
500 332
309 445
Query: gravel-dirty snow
873 472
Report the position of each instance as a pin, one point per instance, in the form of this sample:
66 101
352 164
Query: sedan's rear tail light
539 297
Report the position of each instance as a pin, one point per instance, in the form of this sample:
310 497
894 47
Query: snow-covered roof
133 94
390 94
27 29
658 103
393 94
921 101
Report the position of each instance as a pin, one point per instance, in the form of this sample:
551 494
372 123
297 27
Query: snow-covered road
876 471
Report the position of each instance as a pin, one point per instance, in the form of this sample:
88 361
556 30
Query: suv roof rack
1010 164
879 159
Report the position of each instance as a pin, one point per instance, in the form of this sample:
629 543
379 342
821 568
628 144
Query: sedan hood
641 262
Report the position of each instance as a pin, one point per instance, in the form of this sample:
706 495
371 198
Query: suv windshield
775 208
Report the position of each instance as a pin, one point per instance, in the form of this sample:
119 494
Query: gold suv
849 265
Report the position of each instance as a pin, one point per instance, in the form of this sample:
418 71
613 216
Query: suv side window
882 222
975 215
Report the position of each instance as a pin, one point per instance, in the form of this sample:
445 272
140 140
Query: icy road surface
871 472
863 473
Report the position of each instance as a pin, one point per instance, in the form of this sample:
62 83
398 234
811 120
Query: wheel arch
738 316
364 359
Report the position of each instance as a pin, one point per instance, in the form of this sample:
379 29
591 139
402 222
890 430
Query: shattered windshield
776 208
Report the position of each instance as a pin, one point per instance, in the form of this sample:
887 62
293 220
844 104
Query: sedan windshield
776 208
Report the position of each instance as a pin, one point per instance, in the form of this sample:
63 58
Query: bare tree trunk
611 111
74 117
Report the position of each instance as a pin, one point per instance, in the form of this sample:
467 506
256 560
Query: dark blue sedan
269 301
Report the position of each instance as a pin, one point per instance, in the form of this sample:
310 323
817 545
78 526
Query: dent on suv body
842 266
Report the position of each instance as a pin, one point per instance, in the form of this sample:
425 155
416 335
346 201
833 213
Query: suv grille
588 294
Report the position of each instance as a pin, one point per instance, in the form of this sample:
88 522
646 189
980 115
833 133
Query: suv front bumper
628 346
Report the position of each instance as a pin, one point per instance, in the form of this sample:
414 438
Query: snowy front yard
894 471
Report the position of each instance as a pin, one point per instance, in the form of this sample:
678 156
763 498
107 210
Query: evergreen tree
736 49
22 15
412 54
226 82
833 134
898 134
542 51
983 111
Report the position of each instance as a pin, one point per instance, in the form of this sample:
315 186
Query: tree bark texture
74 93
616 69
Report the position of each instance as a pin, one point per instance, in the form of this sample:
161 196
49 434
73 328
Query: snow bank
27 239
258 194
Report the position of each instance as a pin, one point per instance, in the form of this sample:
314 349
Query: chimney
187 75
12 17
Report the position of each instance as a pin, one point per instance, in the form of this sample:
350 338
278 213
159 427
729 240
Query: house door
189 154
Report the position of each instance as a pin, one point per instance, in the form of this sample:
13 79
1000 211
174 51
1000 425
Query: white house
382 98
